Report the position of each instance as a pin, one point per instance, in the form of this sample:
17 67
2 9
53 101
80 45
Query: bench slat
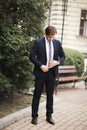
69 78
67 71
67 67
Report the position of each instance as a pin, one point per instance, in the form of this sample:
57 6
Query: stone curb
11 118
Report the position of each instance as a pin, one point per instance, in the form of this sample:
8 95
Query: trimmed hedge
74 57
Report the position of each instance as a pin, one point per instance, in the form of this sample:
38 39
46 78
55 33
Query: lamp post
49 12
64 9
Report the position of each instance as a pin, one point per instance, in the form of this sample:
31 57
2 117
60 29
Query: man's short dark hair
50 30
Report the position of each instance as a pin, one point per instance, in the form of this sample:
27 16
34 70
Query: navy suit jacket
38 55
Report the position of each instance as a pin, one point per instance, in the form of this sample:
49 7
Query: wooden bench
68 74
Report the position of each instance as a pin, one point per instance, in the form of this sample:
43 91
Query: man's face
50 37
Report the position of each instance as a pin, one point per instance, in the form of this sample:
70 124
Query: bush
15 67
74 57
6 87
20 23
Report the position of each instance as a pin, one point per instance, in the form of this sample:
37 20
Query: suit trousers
48 79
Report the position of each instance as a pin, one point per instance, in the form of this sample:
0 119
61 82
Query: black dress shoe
34 121
50 120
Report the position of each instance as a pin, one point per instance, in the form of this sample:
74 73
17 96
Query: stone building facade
70 19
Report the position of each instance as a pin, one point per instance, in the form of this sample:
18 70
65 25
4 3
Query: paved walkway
70 113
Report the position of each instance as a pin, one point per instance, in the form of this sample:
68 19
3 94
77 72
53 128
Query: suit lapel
54 45
44 47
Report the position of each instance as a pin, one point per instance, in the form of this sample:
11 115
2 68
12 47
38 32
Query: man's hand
44 68
53 63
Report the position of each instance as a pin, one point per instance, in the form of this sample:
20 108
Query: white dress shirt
47 50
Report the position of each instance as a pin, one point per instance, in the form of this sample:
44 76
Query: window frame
83 19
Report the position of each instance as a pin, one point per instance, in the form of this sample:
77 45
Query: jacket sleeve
33 55
61 55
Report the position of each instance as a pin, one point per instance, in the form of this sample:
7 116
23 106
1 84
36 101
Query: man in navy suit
46 54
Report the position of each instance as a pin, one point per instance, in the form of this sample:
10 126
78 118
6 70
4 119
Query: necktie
49 51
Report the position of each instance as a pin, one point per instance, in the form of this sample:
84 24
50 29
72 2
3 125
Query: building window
83 23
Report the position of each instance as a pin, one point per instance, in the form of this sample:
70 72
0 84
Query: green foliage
21 21
29 15
5 85
74 57
14 57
